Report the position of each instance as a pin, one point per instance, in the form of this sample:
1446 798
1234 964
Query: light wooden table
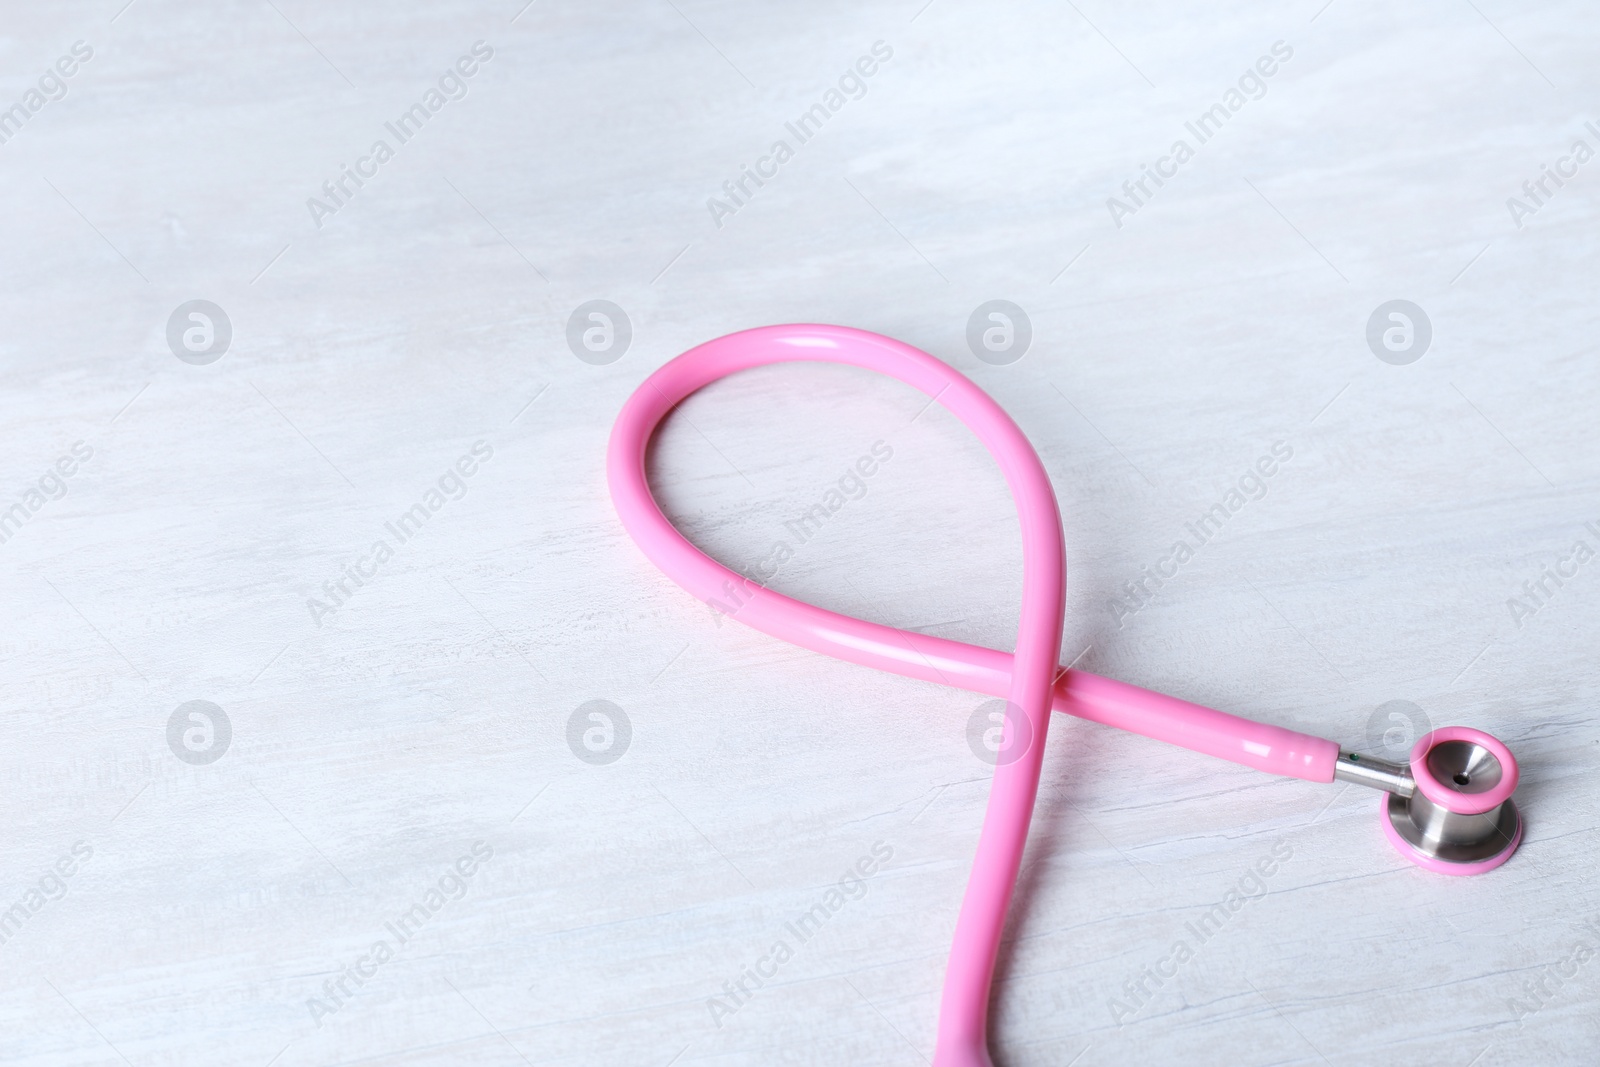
396 764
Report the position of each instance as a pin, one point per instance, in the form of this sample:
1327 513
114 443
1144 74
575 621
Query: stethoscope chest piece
1458 817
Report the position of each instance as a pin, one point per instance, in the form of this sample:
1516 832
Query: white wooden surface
430 712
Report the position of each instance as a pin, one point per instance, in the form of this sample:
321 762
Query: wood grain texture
212 907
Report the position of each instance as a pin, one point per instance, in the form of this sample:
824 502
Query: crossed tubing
1028 678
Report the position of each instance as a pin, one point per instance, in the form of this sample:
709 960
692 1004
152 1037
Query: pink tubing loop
1029 678
1448 796
964 1009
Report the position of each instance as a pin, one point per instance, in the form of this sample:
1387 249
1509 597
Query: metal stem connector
1374 773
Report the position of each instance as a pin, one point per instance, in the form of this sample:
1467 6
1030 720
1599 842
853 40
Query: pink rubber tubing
1030 677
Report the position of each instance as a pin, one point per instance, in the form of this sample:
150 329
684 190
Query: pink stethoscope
1449 810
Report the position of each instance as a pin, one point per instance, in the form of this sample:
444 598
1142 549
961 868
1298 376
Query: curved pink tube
1028 677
